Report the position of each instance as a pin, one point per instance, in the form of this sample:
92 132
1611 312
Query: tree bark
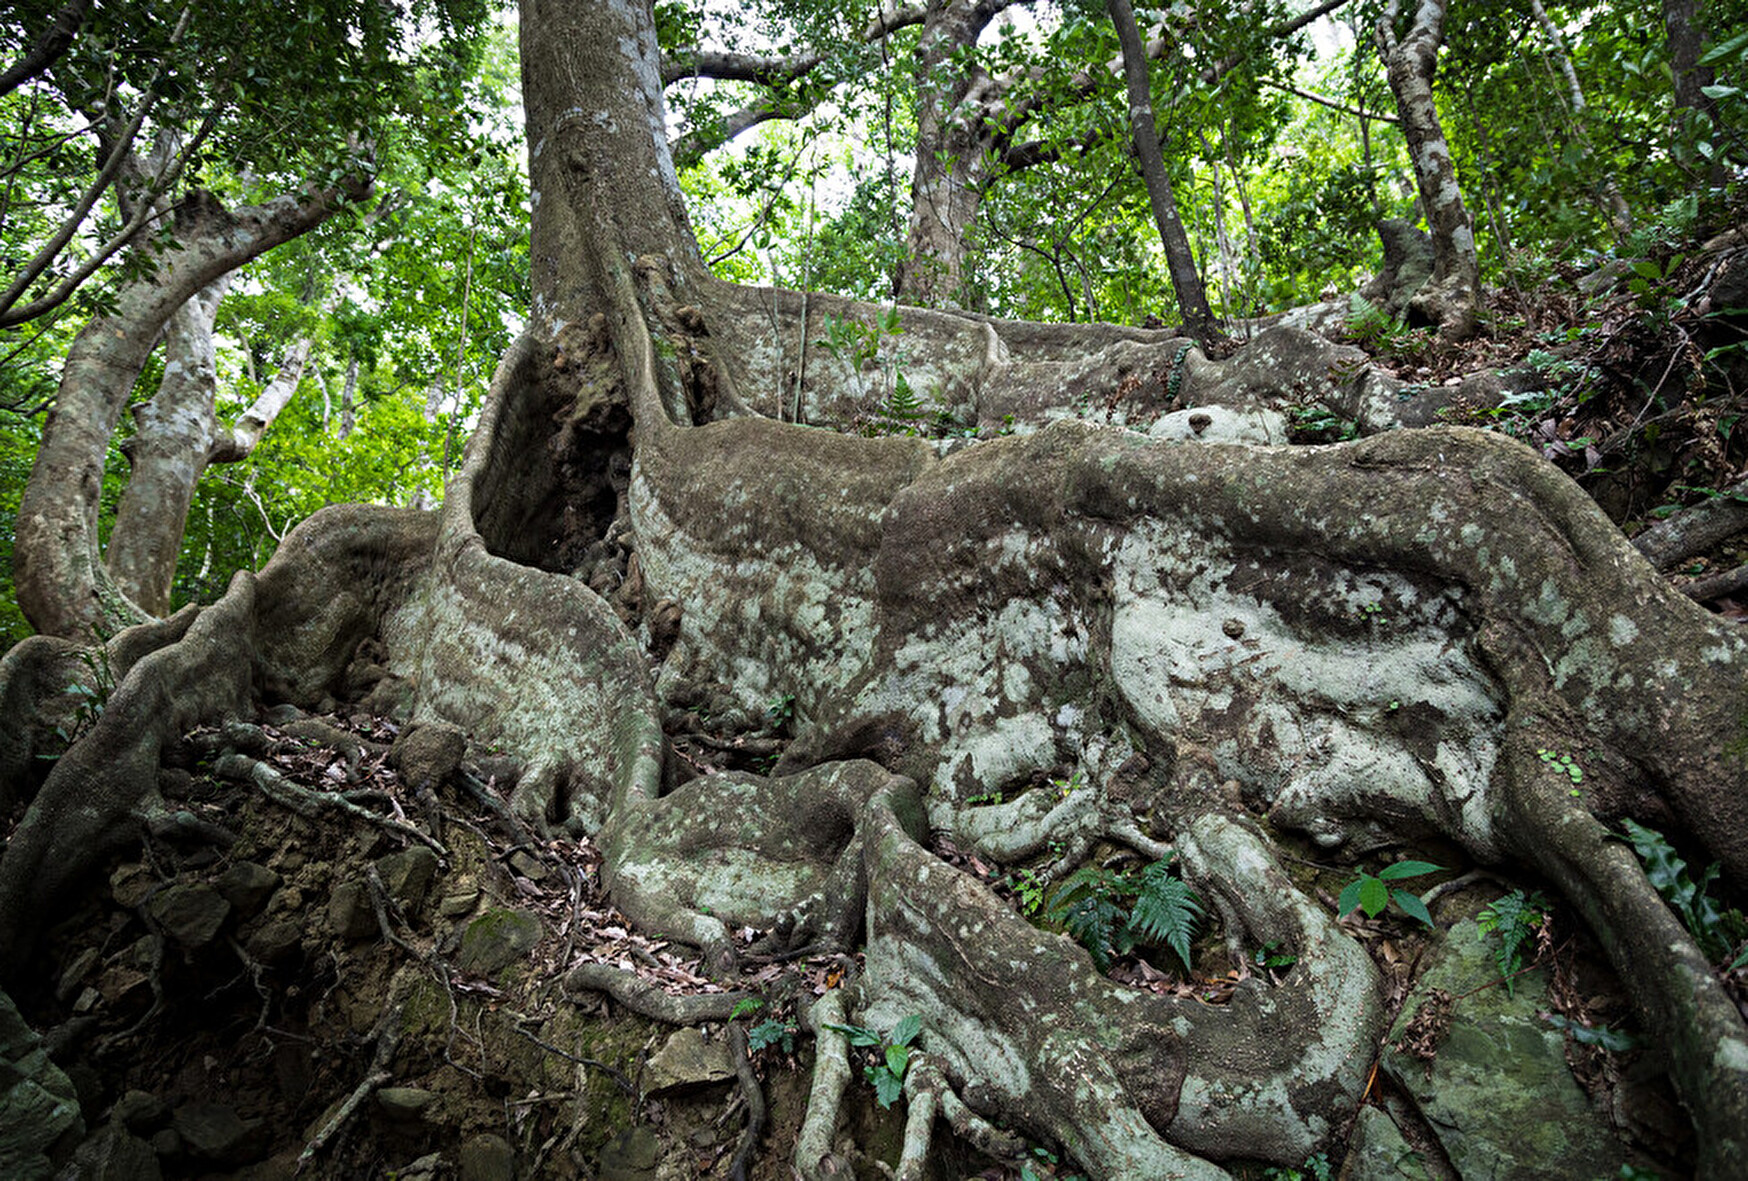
1452 298
1186 280
64 588
173 435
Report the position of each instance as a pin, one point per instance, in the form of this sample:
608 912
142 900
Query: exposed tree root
754 1096
642 997
387 1042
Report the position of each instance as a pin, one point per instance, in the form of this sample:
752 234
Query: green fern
1514 918
1166 911
1085 906
1092 905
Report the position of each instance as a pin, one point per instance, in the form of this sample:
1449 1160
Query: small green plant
1610 1039
1045 1160
1377 331
1315 1168
1372 893
887 1074
1090 906
987 797
745 1007
780 710
1515 918
1270 955
1563 763
1030 889
1716 931
1312 422
771 1032
1067 787
90 696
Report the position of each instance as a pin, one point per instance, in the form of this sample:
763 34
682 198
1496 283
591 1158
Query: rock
215 1132
113 1155
427 1168
167 1143
350 915
528 866
686 1060
407 1104
130 885
428 753
1222 424
497 939
407 875
454 906
275 942
487 1158
1378 1152
75 974
191 913
140 1112
630 1156
39 1109
247 886
1499 1094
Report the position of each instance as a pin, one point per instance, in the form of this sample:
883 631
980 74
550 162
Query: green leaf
1412 906
1717 53
897 1059
1350 897
855 1034
1720 91
1408 869
1374 896
745 1005
887 1087
1166 911
904 1033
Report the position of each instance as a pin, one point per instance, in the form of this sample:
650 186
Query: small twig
380 903
388 1040
617 1076
1716 586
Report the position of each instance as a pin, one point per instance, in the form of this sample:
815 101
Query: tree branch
48 47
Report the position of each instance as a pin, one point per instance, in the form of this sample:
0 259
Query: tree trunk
954 140
64 588
1180 261
1452 298
166 456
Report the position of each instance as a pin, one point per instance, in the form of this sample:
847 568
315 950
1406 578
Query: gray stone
454 906
1499 1094
276 941
1377 1151
407 875
428 753
487 1158
113 1155
140 1112
630 1156
191 913
247 886
426 1168
215 1132
528 866
350 915
39 1108
75 974
497 939
408 1104
686 1060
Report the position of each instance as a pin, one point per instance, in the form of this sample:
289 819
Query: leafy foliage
1372 893
1717 931
1093 906
892 1056
1515 918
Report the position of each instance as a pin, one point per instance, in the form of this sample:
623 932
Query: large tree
1367 644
